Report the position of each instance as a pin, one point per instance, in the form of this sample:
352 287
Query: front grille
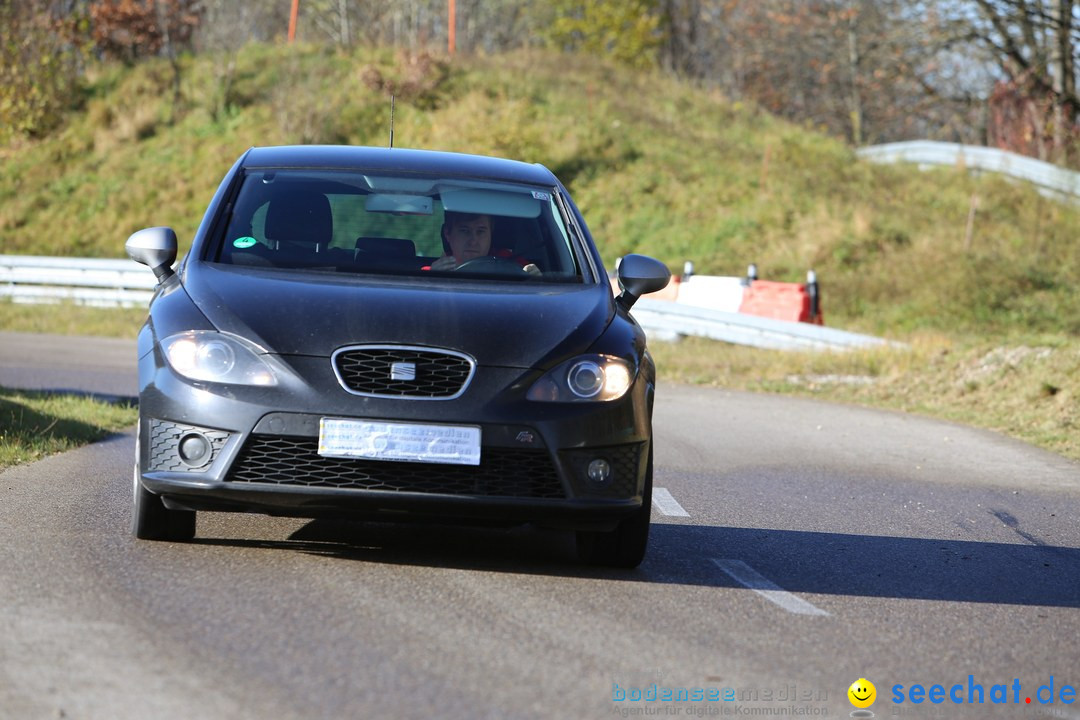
403 372
296 462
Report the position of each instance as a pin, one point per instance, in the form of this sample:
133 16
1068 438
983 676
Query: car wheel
151 520
623 547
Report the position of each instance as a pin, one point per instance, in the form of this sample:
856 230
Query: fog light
194 449
599 471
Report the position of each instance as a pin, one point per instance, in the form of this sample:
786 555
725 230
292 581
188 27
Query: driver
467 236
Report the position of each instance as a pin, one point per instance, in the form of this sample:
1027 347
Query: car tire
623 547
151 520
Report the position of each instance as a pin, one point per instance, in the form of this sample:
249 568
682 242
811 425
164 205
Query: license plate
401 442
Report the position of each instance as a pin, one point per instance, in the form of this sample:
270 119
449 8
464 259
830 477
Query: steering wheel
493 266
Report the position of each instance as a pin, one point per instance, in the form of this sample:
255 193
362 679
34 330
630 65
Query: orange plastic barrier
780 301
670 292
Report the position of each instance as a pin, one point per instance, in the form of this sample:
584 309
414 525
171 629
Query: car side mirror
155 247
640 275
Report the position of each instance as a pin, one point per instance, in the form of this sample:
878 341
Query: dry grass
68 319
657 166
33 425
1025 389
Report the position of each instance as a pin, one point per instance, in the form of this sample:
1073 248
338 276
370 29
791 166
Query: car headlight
583 379
217 357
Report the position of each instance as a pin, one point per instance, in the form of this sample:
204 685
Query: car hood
307 313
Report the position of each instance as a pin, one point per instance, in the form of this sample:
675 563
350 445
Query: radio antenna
391 121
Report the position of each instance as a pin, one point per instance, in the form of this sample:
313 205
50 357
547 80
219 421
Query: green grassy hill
985 299
657 166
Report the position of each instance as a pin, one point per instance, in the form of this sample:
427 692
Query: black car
389 333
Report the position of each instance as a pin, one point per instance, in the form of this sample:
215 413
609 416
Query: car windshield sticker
244 242
537 195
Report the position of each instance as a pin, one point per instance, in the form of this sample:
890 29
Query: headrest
302 216
389 247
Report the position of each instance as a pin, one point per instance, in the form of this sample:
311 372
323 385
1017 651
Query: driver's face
470 238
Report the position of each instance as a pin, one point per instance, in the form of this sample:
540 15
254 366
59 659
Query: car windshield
359 222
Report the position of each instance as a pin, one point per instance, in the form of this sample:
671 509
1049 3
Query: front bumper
263 454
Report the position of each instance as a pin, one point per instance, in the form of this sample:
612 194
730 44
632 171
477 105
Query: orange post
292 20
451 26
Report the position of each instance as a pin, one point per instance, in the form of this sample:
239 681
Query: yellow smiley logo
862 693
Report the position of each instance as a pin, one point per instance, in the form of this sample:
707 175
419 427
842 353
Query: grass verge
69 319
960 266
1023 387
687 175
34 425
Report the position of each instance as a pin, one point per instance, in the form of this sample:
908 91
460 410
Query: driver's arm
446 262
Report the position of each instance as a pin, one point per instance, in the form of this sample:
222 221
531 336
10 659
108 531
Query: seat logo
403 371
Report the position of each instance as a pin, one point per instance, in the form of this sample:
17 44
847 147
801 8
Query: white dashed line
666 504
747 576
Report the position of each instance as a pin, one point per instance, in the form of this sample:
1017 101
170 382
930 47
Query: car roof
397 159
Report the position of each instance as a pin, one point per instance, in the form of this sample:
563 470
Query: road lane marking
666 504
747 576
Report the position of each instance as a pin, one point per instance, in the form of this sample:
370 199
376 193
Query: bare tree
131 30
41 54
1034 106
866 70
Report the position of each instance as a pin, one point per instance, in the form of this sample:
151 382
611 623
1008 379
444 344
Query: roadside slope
659 166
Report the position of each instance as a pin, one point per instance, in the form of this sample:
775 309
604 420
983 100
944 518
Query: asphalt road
819 544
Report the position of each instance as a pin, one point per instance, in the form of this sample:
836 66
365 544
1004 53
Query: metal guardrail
1049 179
83 281
122 283
667 321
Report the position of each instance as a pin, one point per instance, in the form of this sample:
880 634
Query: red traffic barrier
669 292
781 301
